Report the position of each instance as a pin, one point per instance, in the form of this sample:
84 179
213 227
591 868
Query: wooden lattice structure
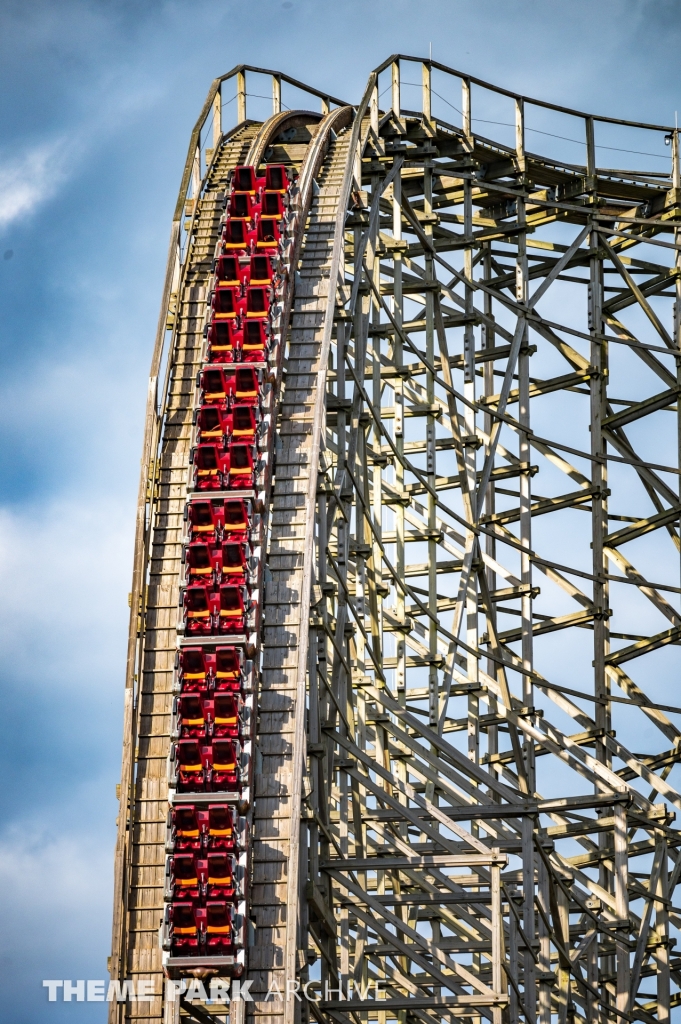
465 727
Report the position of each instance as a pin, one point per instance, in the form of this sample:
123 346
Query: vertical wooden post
425 78
217 117
395 87
196 175
590 151
466 109
326 105
662 933
622 909
373 107
276 94
497 931
240 96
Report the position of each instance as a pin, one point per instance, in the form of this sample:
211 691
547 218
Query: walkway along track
411 830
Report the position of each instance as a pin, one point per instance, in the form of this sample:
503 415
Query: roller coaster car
199 605
276 178
228 271
242 424
205 521
254 342
233 564
260 270
222 831
187 873
203 563
238 236
268 233
227 670
228 303
225 715
273 205
224 341
210 461
185 827
244 180
257 302
220 883
242 206
219 934
216 386
236 522
192 712
185 921
212 423
232 611
193 759
239 469
246 387
193 670
224 770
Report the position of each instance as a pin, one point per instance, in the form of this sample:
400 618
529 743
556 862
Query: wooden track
147 852
281 735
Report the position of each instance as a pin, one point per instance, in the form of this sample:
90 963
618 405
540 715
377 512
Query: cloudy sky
97 100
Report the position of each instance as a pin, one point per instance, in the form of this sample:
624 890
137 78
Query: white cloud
29 180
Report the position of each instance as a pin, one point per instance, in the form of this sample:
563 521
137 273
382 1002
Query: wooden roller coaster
382 759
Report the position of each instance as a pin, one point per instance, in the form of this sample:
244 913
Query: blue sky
97 100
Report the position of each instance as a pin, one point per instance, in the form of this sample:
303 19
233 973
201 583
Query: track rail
396 840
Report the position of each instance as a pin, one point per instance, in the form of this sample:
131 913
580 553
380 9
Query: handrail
519 96
239 69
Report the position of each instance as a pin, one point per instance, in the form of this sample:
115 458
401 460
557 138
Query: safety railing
586 143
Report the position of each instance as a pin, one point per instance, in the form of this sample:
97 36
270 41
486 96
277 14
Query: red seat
216 386
205 521
239 470
184 929
220 882
268 233
236 521
226 719
244 180
224 770
185 869
246 387
191 715
272 205
193 670
198 609
233 563
228 303
257 302
242 423
276 178
227 669
260 270
222 833
212 424
185 828
224 341
202 563
228 271
238 237
209 467
254 341
232 613
242 206
192 761
219 935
